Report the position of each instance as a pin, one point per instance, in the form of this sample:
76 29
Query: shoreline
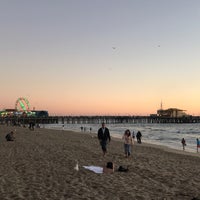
162 147
40 165
170 138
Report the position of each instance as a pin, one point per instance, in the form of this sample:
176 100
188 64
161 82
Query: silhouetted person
138 136
183 143
31 126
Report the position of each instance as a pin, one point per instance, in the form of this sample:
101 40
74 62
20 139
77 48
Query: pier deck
97 119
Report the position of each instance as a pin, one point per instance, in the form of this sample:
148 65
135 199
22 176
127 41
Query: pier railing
16 120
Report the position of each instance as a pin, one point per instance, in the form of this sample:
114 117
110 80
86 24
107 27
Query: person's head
109 168
11 132
127 132
109 165
103 125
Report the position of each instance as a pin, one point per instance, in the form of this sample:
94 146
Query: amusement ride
23 108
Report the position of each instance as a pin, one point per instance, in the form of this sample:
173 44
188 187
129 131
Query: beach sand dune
40 165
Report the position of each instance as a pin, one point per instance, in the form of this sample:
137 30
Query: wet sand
40 165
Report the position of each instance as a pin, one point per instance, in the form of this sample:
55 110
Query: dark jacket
139 134
9 137
104 136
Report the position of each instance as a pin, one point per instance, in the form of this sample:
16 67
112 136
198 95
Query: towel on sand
96 169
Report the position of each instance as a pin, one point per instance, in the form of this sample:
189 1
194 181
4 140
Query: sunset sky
100 57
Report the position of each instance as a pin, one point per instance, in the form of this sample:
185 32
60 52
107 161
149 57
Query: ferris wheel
22 104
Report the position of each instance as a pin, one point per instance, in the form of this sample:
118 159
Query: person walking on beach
104 137
128 141
198 145
138 136
183 143
31 126
133 135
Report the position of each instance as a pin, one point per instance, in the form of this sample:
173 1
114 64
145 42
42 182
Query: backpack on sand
122 169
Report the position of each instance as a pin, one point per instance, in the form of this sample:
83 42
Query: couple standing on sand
104 137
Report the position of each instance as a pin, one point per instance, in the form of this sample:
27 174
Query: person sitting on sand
109 168
10 136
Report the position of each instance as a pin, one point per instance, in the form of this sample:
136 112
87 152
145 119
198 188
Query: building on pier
171 112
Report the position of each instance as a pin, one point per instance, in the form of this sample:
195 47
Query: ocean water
169 135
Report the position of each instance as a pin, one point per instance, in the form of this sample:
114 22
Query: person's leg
103 145
126 150
129 150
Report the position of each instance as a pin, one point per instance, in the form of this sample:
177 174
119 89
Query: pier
97 120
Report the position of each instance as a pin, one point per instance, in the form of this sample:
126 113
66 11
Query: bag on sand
122 169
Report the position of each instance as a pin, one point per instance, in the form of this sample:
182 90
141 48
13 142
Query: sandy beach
39 165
